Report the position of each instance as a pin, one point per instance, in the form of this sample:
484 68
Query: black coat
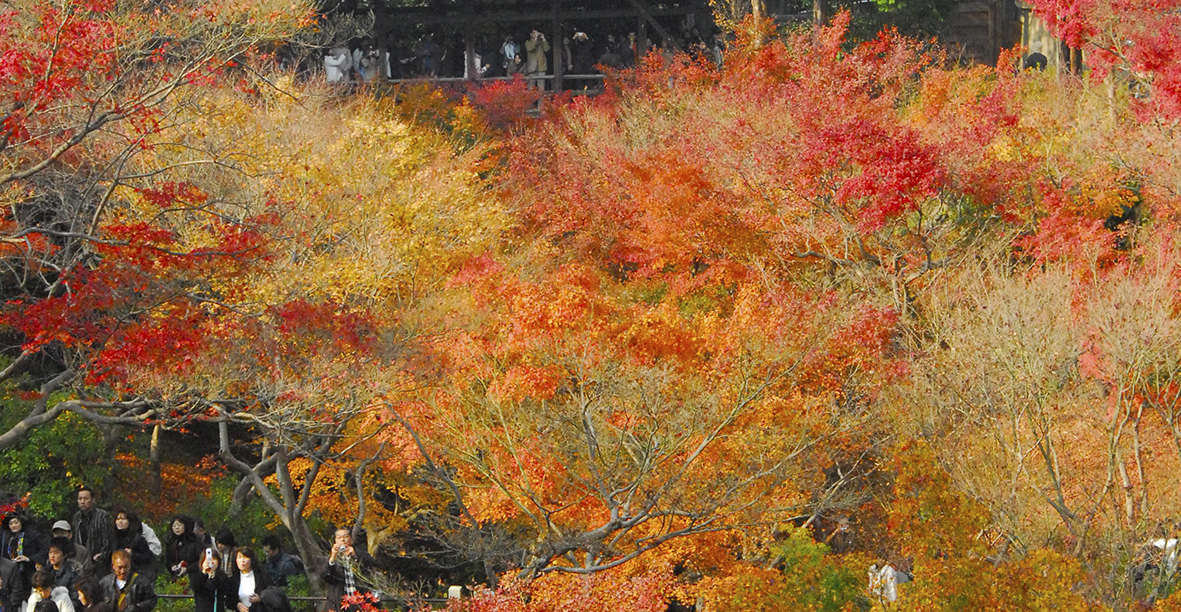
66 576
209 594
13 588
28 542
142 558
94 530
582 55
334 578
139 595
184 548
261 583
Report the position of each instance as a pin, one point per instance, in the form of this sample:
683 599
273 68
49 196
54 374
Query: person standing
129 537
90 595
536 62
13 588
204 540
182 547
125 590
279 565
245 587
627 50
23 545
426 52
64 572
209 582
582 52
509 53
337 64
77 554
342 575
43 589
227 547
93 529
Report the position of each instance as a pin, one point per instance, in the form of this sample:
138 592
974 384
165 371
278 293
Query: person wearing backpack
279 564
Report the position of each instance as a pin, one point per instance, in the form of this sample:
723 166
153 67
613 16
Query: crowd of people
532 57
108 561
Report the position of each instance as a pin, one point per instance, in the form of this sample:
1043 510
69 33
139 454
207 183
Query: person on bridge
536 63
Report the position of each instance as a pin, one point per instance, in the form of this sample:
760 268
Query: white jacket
59 595
153 542
883 582
337 64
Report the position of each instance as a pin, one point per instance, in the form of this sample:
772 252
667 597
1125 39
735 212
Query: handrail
384 599
544 77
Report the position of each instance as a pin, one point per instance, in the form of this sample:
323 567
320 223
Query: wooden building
975 31
480 25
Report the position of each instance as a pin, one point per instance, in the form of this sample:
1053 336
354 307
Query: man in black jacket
93 528
124 590
13 591
343 575
77 554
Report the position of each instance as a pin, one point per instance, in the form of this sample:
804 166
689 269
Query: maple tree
325 321
176 297
84 86
878 172
642 364
649 346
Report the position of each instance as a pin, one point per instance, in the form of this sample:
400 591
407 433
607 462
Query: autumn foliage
717 338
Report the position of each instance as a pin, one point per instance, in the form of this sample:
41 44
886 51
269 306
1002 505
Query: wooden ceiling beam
418 17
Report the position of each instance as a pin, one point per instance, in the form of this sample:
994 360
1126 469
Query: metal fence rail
399 603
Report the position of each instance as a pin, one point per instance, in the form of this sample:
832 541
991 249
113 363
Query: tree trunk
288 506
154 458
313 558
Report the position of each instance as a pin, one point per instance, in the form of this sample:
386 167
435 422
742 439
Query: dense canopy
719 336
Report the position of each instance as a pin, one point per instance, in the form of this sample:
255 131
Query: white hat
64 526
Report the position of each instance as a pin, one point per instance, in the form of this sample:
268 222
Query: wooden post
471 67
558 46
646 17
994 48
819 12
381 29
641 40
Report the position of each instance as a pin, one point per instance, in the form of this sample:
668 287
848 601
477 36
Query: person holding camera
536 63
342 576
209 583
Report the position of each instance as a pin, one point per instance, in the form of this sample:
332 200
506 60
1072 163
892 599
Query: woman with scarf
23 545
